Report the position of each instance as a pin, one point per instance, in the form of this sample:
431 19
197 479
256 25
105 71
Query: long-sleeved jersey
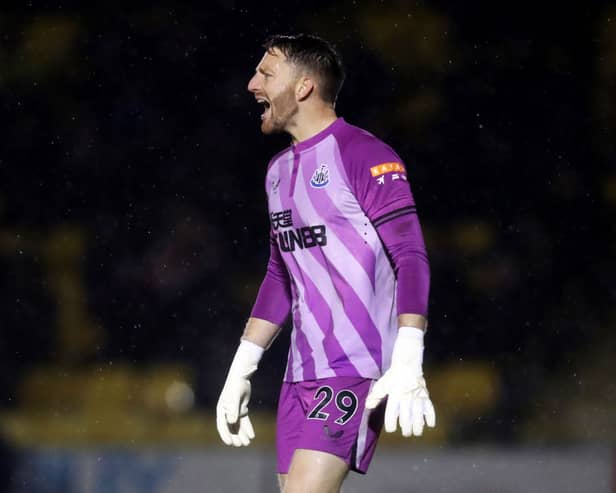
347 253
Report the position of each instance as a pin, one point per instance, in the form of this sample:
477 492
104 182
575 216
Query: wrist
408 349
246 359
411 332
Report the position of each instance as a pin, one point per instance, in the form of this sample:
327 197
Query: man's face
274 86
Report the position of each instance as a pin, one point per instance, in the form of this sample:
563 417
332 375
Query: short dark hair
316 55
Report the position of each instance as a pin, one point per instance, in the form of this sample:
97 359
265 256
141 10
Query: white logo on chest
320 177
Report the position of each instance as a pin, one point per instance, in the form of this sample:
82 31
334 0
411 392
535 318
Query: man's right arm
260 332
273 303
269 312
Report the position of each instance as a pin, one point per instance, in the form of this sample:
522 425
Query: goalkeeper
348 264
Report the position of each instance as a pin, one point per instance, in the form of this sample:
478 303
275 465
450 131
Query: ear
303 88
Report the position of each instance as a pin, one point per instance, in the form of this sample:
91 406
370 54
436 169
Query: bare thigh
312 471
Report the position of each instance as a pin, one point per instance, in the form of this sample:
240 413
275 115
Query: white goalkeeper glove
403 384
232 421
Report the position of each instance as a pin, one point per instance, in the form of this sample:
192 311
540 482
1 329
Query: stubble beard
283 109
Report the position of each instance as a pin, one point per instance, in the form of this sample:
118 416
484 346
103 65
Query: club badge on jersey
320 177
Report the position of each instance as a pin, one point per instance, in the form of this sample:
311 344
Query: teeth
266 105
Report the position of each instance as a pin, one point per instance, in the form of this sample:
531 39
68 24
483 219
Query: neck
310 122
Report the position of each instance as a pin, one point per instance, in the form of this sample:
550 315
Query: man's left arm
408 400
380 183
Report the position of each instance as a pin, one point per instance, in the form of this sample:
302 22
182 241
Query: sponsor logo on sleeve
381 170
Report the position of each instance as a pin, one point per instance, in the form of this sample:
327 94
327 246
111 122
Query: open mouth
266 105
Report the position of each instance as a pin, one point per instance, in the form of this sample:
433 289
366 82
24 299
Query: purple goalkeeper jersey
327 198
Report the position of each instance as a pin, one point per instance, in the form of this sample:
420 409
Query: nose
253 84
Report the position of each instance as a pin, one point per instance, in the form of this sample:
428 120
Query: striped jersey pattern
342 282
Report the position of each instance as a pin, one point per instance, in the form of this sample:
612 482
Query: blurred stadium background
133 237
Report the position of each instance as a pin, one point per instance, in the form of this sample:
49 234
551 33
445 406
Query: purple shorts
328 415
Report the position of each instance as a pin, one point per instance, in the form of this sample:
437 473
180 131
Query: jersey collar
315 139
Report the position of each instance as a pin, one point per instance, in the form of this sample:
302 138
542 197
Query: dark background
131 157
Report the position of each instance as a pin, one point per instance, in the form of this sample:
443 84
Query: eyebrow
263 71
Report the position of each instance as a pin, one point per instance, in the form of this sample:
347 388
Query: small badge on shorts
320 177
334 434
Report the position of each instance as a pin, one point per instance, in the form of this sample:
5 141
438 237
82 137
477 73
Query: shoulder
278 157
358 147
